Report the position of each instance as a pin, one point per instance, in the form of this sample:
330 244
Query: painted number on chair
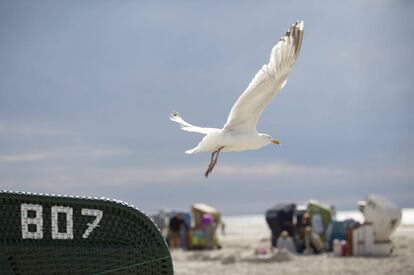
91 226
32 221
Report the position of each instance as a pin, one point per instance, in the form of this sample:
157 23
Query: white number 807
55 210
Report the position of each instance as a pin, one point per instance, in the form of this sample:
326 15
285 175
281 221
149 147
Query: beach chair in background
47 234
206 221
320 216
381 219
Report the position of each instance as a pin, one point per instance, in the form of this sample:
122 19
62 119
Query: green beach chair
49 234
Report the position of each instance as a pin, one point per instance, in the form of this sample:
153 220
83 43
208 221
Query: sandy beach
237 258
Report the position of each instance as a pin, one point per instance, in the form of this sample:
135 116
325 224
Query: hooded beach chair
48 234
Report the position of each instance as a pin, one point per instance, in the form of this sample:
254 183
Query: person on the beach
174 230
223 228
285 241
308 242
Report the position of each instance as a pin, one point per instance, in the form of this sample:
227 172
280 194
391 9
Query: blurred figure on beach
161 220
176 224
286 242
309 242
223 228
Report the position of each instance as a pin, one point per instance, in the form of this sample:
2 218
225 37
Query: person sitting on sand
308 241
285 241
313 243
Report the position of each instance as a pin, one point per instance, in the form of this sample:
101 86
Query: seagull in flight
239 133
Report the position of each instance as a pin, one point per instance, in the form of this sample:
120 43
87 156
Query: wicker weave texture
125 241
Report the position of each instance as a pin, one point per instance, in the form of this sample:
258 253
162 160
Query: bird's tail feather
192 151
187 126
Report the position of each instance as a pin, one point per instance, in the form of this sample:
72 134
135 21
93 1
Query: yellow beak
275 141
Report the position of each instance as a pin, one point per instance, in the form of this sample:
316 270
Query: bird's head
267 139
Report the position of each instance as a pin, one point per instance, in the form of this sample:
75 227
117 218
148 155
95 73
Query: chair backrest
43 234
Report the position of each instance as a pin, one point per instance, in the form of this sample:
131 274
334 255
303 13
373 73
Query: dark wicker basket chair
48 234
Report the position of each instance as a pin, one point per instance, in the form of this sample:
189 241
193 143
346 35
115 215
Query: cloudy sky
86 88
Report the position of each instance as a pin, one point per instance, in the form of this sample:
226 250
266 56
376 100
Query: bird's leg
213 157
213 161
211 165
218 152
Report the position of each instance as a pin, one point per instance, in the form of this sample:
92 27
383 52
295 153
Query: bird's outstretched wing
267 82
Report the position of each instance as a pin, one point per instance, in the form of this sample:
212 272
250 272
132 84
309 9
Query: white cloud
126 176
279 168
32 129
137 175
100 152
63 153
396 174
25 157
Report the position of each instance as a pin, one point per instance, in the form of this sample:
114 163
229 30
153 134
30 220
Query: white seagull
239 133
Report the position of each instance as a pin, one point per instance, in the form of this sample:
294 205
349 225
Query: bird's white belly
242 143
231 143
